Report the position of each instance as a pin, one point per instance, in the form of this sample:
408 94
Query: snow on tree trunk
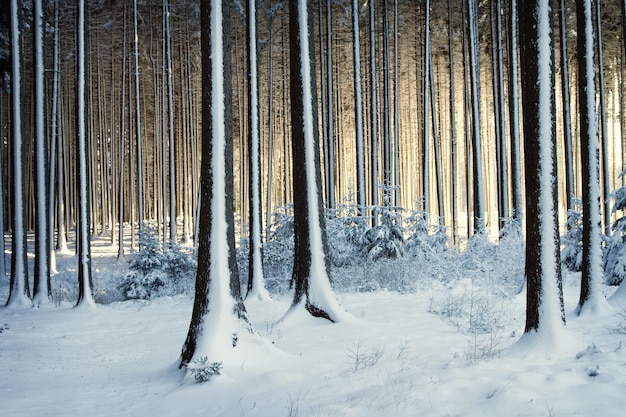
19 294
311 265
358 109
219 319
83 242
516 168
256 282
479 193
591 297
544 311
41 277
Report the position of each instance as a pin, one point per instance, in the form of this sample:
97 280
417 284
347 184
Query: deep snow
401 356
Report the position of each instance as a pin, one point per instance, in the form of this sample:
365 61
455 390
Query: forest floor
403 355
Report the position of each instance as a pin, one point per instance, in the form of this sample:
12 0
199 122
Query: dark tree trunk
217 277
311 267
591 296
543 267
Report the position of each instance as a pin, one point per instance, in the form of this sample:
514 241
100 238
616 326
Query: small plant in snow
203 371
3 327
362 357
572 240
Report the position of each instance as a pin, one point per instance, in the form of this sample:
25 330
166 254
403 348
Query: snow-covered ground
403 355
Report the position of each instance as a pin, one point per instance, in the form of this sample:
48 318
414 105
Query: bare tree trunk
358 109
567 118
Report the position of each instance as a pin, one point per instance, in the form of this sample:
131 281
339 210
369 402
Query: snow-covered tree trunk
219 317
373 110
474 70
358 108
604 141
256 281
311 264
19 292
54 140
453 144
138 140
41 277
544 308
567 129
330 135
170 129
501 153
426 119
83 240
591 298
516 164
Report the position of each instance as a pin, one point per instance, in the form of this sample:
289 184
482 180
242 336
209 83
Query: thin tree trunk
358 109
85 283
373 112
591 297
567 129
478 191
138 139
19 293
604 142
453 145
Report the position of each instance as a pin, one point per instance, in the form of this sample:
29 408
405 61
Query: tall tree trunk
41 280
311 266
138 139
170 129
478 191
544 303
330 135
426 120
591 297
358 109
373 111
516 164
453 144
270 126
19 293
219 314
567 129
256 282
83 239
606 187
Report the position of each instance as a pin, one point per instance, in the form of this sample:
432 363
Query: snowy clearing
404 355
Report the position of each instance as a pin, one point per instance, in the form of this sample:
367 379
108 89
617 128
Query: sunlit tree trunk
358 108
453 144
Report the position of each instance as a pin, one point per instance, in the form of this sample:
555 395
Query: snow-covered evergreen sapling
386 238
615 251
572 240
157 270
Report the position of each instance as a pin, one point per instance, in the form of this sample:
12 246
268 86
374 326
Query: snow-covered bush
157 270
572 240
615 251
346 229
277 252
420 241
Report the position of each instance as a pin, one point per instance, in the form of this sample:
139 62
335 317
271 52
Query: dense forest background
162 110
